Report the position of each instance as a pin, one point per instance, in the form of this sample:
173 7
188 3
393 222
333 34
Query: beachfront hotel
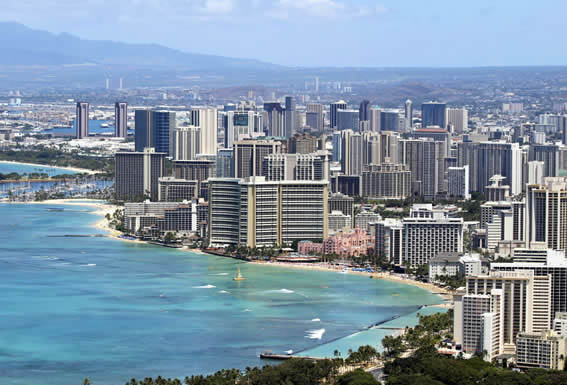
254 212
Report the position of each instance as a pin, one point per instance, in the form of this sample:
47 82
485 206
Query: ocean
77 306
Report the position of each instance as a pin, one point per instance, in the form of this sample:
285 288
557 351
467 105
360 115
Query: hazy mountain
21 45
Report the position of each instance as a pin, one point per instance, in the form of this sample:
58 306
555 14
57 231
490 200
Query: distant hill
20 45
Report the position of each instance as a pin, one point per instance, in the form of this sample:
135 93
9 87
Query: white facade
187 143
207 121
458 118
458 182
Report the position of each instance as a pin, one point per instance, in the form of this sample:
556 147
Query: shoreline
445 294
74 169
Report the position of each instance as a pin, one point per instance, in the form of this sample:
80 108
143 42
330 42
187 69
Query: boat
239 276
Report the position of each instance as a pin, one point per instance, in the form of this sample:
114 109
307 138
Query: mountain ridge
22 45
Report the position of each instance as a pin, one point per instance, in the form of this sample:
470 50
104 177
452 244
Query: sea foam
204 287
315 334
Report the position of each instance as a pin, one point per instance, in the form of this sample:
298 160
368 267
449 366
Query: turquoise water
76 307
6 168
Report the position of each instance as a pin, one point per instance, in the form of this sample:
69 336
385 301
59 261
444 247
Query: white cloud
324 9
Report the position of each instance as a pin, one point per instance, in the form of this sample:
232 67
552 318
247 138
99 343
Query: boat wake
204 287
316 320
284 291
315 334
223 292
221 274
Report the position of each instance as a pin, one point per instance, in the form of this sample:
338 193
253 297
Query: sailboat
239 276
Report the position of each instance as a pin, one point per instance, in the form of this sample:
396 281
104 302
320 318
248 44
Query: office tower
389 121
171 189
545 350
336 141
206 120
282 212
408 114
82 120
364 111
487 159
241 124
121 119
225 163
137 174
224 211
352 153
155 129
547 153
187 143
316 84
275 119
374 116
527 299
313 166
290 116
314 117
334 107
249 156
512 108
434 114
426 237
347 120
426 161
458 119
302 144
386 181
458 182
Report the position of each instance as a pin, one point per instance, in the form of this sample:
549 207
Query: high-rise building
336 141
386 181
207 121
434 114
527 299
256 213
548 154
121 119
225 163
177 190
199 170
242 124
487 159
347 120
458 120
275 119
408 114
290 116
314 117
364 111
546 213
374 116
282 212
224 211
352 153
249 156
426 161
313 166
334 107
458 182
389 121
302 144
82 120
137 174
187 143
426 237
155 129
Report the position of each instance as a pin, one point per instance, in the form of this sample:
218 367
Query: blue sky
432 33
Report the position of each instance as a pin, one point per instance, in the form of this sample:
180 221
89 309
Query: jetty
282 357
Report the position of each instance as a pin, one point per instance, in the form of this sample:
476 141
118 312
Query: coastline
445 294
74 169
